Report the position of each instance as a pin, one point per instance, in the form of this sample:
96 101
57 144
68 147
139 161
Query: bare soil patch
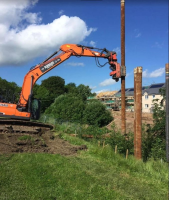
147 118
33 143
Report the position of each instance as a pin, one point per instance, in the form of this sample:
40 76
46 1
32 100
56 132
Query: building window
154 96
146 96
146 105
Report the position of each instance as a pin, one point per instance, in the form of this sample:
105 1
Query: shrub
123 142
96 114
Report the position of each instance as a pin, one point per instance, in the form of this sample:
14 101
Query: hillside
95 173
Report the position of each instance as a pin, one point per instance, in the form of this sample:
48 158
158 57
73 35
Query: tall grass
97 173
152 147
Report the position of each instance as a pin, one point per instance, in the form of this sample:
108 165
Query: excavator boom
28 107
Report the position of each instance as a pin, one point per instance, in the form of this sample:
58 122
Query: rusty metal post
123 104
138 113
135 78
167 109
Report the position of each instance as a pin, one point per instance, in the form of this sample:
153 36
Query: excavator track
20 126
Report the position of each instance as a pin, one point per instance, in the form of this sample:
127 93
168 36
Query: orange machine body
22 110
10 110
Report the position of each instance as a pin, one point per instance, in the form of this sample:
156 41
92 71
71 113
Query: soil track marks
33 143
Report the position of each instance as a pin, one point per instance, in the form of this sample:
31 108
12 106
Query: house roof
108 93
151 89
154 88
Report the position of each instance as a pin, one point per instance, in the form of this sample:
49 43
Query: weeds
152 146
25 137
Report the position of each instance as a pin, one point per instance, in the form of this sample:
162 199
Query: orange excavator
28 107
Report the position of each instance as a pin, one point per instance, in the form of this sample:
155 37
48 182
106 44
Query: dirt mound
147 118
46 143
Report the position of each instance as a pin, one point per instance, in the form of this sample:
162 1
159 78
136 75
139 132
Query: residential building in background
149 94
112 99
109 99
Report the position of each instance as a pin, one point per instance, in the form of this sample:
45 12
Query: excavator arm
24 110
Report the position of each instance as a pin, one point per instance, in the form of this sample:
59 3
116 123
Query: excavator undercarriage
20 126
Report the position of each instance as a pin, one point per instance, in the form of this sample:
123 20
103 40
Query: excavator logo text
49 65
3 104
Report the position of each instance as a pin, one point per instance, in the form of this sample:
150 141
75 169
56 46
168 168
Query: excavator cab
35 109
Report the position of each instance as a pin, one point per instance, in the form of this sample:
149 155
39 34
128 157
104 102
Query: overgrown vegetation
153 145
67 107
9 91
68 104
72 108
96 114
48 90
154 141
98 173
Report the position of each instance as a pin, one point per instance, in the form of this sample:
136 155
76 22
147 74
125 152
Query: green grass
25 137
95 174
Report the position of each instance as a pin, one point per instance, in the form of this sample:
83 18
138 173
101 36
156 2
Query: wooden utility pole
137 112
167 109
123 104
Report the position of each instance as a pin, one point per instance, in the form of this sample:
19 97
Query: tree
43 95
49 89
84 91
9 91
67 107
71 88
159 116
96 114
154 143
71 84
55 85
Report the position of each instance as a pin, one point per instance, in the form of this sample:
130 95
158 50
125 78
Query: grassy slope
94 174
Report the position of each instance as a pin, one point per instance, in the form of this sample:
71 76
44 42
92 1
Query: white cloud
158 45
24 37
93 44
117 50
138 35
106 82
97 92
61 12
158 72
145 73
129 74
155 73
94 29
12 13
92 87
74 64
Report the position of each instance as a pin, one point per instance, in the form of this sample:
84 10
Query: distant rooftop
151 89
108 93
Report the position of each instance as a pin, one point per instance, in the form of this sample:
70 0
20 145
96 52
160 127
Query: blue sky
31 30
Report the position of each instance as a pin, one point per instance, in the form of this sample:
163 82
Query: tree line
9 91
61 101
